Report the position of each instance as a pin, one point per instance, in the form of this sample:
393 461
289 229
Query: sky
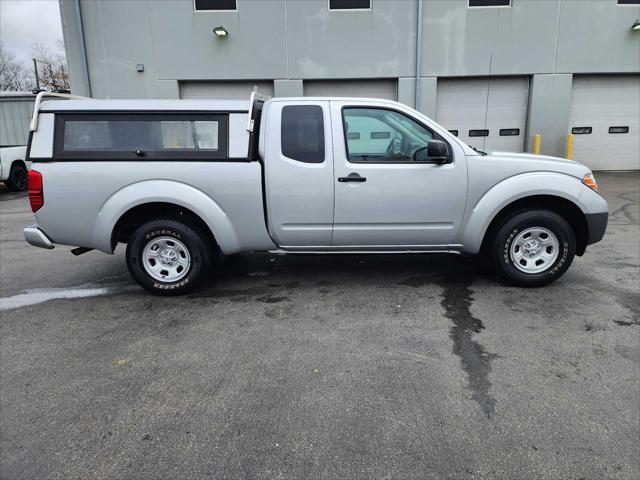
23 22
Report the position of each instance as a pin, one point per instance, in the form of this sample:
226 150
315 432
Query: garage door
224 90
387 89
489 114
605 121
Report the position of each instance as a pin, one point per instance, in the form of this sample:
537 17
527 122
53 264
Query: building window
349 4
379 135
628 2
489 3
479 133
618 129
215 4
302 133
509 132
581 130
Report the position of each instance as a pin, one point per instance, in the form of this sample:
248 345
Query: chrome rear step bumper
36 237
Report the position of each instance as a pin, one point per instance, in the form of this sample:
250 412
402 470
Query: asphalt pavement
330 367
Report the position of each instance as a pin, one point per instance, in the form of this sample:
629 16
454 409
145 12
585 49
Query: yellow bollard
569 147
537 140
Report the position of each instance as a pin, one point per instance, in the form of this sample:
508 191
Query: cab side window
380 135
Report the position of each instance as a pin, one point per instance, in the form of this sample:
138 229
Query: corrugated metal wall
15 114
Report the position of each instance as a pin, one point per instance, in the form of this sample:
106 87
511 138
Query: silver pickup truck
183 183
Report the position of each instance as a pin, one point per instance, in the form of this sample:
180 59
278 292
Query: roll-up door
605 121
486 113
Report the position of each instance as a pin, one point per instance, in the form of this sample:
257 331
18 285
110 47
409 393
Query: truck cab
360 174
183 183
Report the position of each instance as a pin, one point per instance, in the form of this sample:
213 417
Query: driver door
387 191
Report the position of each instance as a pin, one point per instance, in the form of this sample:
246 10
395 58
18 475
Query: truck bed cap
145 105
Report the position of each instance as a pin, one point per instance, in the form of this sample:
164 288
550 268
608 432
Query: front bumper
36 237
596 225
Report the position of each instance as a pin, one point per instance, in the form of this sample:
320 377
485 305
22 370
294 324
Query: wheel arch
135 216
18 161
16 164
150 199
565 208
560 193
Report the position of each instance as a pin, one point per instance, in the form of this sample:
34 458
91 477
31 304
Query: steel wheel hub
166 259
531 248
534 250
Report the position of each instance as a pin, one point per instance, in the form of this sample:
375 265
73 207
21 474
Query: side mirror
438 152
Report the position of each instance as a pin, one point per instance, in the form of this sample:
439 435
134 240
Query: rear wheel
17 181
168 257
533 248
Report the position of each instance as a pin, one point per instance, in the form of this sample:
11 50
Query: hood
532 162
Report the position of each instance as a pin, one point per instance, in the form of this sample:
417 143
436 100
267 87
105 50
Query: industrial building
495 72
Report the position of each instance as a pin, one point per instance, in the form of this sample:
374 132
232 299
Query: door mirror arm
442 160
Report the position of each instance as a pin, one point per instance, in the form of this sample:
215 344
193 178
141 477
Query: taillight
36 197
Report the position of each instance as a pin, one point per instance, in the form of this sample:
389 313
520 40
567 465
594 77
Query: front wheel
17 181
167 257
533 248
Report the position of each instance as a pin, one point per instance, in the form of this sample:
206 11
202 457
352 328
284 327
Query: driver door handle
353 177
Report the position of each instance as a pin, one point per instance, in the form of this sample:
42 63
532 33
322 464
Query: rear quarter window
138 136
302 133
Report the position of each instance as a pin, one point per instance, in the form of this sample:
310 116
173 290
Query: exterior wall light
220 32
636 26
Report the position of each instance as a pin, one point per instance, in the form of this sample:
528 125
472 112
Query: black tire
507 233
17 181
189 236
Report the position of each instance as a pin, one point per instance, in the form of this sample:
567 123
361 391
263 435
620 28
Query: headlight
590 181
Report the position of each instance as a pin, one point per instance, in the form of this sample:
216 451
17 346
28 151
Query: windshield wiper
479 151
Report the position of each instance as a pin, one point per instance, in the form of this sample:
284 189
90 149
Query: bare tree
12 74
52 67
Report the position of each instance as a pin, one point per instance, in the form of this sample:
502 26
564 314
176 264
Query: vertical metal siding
15 113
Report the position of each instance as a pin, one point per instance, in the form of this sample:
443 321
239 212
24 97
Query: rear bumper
597 225
36 237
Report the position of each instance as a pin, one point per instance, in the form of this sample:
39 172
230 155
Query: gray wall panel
224 89
595 36
186 48
288 88
462 41
118 36
387 88
351 44
549 103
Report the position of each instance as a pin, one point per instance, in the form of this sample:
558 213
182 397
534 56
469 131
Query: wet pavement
321 367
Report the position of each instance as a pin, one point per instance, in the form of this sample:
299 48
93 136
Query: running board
282 251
